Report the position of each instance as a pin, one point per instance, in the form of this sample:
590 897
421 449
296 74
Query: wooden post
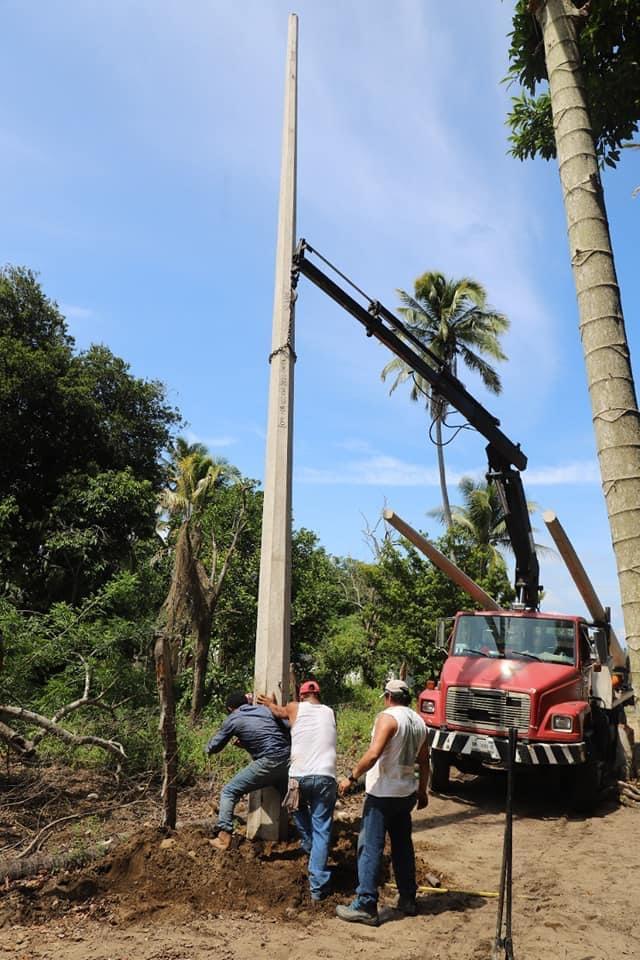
274 595
167 726
583 583
448 568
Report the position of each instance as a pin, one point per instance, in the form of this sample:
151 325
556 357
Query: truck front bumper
495 749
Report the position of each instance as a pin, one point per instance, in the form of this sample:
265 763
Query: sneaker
354 914
407 905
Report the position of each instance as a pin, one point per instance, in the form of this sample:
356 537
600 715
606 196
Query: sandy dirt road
576 894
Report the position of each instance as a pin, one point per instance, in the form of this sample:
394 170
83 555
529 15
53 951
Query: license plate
486 746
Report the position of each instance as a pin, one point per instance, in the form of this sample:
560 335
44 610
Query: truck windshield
528 638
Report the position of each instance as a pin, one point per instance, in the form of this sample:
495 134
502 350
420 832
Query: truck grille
488 709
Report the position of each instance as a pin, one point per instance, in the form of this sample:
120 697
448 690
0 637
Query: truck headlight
428 706
561 721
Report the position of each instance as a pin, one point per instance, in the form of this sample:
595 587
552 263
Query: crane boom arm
505 458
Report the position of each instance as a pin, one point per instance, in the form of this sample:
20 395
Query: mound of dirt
180 874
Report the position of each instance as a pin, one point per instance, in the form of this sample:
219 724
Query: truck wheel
586 787
440 767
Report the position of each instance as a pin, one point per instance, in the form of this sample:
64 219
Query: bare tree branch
77 740
16 741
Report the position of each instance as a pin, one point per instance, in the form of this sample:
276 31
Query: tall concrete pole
274 593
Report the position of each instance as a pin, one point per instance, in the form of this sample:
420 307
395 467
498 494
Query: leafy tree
414 596
453 322
98 647
81 441
359 581
316 596
590 58
607 35
195 590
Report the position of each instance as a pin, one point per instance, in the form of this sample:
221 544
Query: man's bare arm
288 711
385 728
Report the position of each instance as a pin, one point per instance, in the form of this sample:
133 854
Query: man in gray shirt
269 743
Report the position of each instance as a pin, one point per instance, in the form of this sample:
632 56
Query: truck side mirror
600 640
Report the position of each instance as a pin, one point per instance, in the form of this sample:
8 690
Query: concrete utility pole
274 594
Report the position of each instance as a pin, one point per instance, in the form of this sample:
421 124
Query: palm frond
488 375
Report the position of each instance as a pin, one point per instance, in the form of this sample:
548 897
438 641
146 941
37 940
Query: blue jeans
265 772
382 815
314 819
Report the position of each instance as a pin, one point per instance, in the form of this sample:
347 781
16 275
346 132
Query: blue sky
139 153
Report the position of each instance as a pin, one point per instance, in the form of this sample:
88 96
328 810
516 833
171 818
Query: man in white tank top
313 766
398 742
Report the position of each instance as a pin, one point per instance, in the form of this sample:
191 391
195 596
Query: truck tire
439 775
585 789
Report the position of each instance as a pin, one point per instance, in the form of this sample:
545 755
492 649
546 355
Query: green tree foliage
452 320
233 631
317 596
46 655
609 44
414 595
481 517
81 440
397 603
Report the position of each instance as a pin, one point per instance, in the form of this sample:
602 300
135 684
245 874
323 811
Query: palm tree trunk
446 506
606 352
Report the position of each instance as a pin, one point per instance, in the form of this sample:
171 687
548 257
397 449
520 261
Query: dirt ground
155 896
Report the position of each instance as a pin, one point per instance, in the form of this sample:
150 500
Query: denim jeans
265 772
382 815
314 819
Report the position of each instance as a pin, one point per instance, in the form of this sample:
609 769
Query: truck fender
579 710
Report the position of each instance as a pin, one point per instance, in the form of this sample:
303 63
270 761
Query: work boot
353 914
222 841
407 905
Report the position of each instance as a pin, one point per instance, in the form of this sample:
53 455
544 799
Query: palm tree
614 405
451 318
482 516
193 595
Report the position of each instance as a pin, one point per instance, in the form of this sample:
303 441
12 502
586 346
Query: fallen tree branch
17 742
626 801
84 701
629 790
43 863
40 836
75 739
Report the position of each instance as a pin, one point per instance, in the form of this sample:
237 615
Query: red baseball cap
309 686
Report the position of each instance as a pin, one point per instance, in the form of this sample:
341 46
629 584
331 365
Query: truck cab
524 669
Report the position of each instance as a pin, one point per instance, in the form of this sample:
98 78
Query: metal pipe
448 568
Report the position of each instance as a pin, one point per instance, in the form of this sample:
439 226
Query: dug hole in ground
156 896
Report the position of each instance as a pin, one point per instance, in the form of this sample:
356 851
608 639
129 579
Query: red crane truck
545 674
537 672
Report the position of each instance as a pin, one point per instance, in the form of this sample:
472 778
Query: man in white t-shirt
313 766
398 742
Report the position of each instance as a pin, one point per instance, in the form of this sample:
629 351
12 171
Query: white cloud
73 312
355 446
383 470
578 472
212 443
373 471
